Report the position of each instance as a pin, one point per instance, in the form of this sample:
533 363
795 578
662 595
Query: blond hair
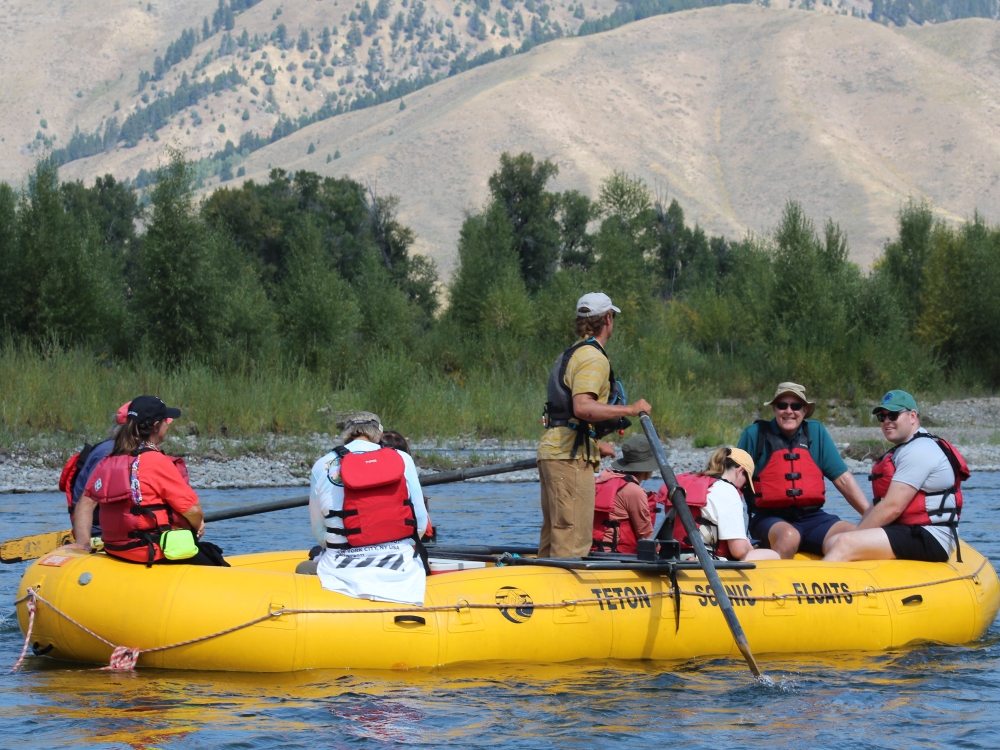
719 463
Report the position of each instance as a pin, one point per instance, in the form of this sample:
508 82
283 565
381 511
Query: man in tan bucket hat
793 455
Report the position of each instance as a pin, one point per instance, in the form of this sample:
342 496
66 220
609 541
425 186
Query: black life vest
558 410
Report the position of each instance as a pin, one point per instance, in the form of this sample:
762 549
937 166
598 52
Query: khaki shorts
567 507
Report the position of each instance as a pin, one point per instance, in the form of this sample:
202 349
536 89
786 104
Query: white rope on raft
124 658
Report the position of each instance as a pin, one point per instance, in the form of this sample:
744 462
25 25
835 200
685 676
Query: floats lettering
823 593
733 591
617 597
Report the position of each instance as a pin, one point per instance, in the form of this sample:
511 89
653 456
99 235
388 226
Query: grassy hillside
731 110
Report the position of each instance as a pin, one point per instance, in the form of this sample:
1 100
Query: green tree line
313 275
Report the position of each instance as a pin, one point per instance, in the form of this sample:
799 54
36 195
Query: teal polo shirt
821 448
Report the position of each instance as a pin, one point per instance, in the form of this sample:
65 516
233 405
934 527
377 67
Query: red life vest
70 471
131 526
944 509
696 487
791 478
377 506
623 537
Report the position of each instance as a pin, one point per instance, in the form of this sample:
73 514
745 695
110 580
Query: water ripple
926 697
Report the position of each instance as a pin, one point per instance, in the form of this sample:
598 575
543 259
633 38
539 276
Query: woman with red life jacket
77 470
793 455
918 493
149 513
367 511
621 507
715 497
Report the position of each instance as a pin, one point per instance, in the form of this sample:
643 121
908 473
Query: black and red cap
148 410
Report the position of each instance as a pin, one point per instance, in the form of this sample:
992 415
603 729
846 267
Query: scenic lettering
735 590
617 597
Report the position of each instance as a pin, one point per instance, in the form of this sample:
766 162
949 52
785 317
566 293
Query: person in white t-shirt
725 510
917 493
389 571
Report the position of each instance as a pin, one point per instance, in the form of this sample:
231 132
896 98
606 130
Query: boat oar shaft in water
33 547
678 498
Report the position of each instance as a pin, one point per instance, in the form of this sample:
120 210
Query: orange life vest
377 506
945 509
623 537
696 487
131 525
791 478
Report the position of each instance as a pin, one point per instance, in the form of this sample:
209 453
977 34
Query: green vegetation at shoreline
276 308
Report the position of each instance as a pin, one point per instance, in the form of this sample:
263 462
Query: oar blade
33 547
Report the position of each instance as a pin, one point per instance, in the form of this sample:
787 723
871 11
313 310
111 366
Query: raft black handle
404 619
915 599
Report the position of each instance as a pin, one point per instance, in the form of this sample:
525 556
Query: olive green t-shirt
588 371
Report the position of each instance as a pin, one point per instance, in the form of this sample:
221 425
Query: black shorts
914 543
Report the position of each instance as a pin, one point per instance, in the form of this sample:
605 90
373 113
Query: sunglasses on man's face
793 405
892 416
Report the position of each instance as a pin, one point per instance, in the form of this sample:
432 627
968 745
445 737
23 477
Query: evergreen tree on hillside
59 281
518 186
487 294
905 258
179 299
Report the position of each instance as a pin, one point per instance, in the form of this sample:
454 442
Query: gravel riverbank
972 424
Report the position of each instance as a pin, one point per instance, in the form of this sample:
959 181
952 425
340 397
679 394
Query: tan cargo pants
567 507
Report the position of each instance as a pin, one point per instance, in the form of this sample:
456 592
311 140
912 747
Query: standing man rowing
585 403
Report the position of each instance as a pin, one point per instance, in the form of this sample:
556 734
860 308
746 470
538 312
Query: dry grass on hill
49 53
731 110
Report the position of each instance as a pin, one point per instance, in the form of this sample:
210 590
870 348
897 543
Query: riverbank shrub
301 297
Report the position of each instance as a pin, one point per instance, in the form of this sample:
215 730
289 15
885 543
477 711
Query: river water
923 697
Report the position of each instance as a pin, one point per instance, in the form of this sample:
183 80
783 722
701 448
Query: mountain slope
731 110
67 66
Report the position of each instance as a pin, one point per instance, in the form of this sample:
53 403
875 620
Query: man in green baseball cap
917 490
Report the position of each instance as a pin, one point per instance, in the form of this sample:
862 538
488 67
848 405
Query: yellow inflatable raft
186 617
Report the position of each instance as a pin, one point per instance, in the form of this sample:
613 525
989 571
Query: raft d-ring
975 580
869 590
462 604
276 610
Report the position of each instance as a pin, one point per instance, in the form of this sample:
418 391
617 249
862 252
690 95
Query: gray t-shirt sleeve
922 464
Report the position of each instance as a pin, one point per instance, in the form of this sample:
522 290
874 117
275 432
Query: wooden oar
678 498
33 547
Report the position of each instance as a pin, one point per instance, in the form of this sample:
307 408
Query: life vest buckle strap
791 456
793 492
793 475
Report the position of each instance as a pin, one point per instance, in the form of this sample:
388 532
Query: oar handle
678 498
443 477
